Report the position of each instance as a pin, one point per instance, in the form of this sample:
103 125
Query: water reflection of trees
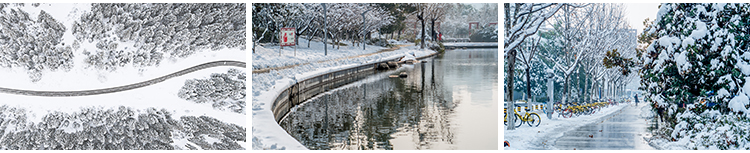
369 115
310 120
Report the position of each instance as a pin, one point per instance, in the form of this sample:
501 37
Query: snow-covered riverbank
266 133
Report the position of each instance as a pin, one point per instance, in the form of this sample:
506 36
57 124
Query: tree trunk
310 37
565 95
432 29
528 86
273 36
586 88
581 82
509 90
399 35
422 40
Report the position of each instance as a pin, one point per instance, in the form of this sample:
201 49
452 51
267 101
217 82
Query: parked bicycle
532 119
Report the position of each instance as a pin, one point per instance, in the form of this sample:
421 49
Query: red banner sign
286 37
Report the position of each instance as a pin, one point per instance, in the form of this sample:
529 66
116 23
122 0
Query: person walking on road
636 99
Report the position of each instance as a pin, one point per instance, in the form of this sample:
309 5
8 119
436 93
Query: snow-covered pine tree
700 49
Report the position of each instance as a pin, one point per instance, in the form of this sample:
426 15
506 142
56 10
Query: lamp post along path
550 93
325 30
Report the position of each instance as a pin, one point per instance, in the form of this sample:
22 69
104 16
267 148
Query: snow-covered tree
521 21
700 53
344 20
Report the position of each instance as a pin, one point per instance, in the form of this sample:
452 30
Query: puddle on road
624 131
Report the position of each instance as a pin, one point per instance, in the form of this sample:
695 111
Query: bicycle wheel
533 120
518 121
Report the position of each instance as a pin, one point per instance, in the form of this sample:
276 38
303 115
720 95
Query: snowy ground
268 56
160 96
267 134
536 138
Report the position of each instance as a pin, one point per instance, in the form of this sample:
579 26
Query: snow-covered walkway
549 130
623 130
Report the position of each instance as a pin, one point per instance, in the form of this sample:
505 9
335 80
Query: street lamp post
325 30
550 92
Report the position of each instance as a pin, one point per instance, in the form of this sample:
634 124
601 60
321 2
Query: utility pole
363 30
325 30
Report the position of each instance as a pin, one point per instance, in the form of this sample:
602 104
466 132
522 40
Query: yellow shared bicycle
532 118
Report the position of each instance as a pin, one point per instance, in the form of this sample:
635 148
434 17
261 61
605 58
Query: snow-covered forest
459 15
569 41
157 48
344 22
225 91
134 34
115 129
34 45
144 34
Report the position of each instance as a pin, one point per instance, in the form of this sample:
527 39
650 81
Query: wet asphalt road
121 88
623 130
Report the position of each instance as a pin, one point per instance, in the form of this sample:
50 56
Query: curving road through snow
124 87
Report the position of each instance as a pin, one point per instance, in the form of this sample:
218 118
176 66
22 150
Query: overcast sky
637 12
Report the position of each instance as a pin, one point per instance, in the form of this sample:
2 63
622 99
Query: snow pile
543 136
408 56
396 42
267 134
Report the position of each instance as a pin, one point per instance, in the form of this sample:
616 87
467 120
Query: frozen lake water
450 102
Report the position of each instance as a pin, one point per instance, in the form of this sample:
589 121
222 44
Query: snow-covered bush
176 30
700 49
225 91
34 45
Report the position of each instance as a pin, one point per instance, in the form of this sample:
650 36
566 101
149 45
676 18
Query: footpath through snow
266 133
549 130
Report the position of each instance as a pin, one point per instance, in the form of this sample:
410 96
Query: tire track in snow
124 87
